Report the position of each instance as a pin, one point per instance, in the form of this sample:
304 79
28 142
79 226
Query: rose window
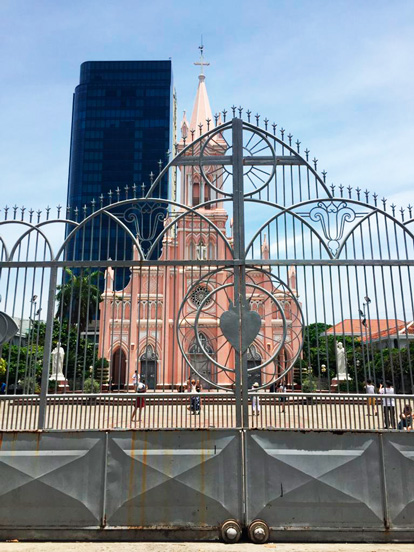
198 296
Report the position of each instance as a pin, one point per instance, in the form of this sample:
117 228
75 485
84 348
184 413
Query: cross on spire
201 63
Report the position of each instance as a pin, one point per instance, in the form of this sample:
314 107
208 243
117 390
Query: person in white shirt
255 400
135 380
140 401
388 405
370 390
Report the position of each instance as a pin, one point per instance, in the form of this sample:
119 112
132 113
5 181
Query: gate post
239 270
47 347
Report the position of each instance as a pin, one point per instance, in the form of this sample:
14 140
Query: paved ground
199 547
107 413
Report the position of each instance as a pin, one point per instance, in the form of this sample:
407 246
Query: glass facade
121 130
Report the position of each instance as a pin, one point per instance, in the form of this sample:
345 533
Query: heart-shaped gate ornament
250 325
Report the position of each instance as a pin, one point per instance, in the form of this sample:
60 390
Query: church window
196 194
207 195
198 296
191 251
211 251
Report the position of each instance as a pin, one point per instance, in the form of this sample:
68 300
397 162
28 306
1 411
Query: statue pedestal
336 381
59 384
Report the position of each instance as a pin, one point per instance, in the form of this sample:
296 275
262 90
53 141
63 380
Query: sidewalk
199 547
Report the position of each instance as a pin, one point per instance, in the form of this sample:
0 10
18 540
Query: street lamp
364 314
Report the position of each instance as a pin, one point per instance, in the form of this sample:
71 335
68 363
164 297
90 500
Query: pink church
166 322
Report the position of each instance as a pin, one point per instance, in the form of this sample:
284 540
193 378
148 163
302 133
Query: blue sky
338 75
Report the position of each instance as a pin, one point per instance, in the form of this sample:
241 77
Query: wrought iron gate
284 298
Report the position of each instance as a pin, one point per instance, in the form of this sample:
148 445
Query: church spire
201 109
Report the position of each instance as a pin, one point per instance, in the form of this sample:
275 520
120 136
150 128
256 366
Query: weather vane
202 63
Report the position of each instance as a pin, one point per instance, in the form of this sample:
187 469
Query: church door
118 370
149 367
201 364
253 359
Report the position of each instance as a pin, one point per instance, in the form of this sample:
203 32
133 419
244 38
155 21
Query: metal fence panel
51 480
173 478
313 480
399 466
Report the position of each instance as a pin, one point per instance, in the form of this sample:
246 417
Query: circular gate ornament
256 175
271 320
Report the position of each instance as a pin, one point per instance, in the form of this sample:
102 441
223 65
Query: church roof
201 109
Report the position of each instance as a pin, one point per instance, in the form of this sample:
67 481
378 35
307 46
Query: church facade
166 324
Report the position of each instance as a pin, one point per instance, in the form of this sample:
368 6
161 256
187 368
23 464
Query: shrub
91 386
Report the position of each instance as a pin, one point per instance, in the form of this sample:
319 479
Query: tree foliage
78 298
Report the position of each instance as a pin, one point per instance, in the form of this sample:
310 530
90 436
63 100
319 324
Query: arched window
148 372
211 250
200 362
207 194
196 194
191 251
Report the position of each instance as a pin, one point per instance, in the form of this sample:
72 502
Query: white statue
58 357
341 362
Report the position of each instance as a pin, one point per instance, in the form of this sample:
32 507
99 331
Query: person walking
193 400
140 401
388 405
198 399
255 400
282 389
370 390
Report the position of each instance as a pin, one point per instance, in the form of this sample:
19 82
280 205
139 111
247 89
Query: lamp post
364 315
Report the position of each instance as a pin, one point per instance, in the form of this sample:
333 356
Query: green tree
320 349
78 297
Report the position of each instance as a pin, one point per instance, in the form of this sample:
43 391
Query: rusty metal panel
173 478
399 475
51 479
313 480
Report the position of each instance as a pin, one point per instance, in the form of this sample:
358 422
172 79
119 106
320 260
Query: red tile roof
374 329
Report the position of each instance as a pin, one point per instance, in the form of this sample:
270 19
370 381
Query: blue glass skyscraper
121 130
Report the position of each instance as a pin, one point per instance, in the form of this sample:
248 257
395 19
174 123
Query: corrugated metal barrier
303 485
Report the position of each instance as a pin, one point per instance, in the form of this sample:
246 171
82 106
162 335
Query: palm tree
78 297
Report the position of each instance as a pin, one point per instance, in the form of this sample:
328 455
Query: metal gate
262 299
